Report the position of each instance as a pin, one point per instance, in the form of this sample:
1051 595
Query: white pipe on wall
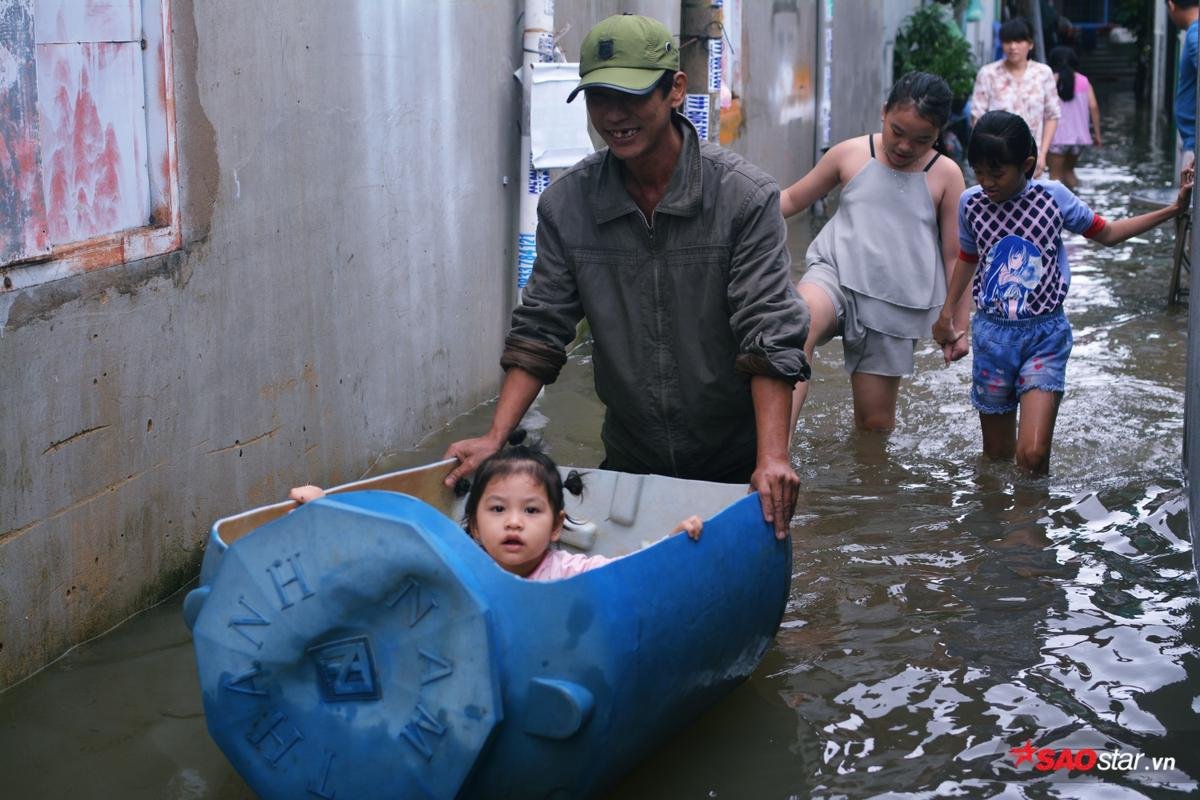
537 44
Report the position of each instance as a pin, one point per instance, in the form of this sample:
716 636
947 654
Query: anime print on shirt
1023 269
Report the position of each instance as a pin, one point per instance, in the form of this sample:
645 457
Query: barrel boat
363 645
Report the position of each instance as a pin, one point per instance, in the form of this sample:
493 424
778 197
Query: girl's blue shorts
1013 356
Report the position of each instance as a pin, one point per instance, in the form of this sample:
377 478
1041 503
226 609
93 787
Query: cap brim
619 79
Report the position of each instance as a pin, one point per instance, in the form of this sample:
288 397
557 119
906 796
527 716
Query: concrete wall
779 47
343 286
864 34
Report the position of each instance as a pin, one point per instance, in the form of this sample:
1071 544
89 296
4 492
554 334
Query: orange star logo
1025 753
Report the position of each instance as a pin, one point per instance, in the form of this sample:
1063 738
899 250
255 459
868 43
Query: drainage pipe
537 45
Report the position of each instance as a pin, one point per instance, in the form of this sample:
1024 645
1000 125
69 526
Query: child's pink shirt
559 564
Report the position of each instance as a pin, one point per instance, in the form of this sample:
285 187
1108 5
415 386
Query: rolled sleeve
544 324
769 319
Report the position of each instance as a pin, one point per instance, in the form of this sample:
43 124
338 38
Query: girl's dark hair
1016 29
1001 139
928 94
519 457
1064 61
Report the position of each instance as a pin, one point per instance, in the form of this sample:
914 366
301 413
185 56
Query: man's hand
777 485
469 452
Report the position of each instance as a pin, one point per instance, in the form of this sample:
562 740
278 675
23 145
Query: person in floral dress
1020 86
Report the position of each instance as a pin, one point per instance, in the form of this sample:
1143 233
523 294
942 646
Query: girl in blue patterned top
1011 252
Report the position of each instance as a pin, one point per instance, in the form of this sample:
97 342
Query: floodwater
944 609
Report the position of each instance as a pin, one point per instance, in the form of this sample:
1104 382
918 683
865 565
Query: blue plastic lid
341 656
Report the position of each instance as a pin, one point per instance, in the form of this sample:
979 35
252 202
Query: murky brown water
944 610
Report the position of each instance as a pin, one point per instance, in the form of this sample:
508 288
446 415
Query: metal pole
537 44
1191 407
1158 70
1039 38
824 137
701 48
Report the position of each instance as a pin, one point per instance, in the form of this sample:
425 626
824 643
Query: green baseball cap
626 52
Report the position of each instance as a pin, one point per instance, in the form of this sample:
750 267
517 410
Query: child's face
1001 181
907 136
515 523
1017 51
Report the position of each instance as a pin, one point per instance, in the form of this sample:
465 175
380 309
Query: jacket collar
684 192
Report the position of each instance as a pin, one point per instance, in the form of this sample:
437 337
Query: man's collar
684 191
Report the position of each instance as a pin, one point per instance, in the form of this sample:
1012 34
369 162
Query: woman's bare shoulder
850 154
945 175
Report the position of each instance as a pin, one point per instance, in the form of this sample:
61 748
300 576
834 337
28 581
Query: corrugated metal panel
93 131
104 184
22 210
61 21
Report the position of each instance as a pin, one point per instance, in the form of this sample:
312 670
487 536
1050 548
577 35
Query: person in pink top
515 511
1079 106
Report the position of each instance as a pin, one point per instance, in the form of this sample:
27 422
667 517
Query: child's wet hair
521 457
1063 61
1001 139
929 95
1016 29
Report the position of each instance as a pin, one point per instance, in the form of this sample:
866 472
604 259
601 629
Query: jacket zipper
662 387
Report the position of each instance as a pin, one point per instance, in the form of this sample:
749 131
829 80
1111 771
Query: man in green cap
675 251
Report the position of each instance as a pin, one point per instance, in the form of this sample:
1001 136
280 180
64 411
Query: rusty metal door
91 99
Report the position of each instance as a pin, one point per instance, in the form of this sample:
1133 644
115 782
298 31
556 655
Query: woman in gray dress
877 272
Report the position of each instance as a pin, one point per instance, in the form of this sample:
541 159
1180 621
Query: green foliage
929 43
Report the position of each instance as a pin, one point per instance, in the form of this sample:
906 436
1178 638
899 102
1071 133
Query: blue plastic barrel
364 646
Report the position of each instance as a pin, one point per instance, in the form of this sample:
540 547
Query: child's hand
1187 179
956 349
951 341
691 526
304 494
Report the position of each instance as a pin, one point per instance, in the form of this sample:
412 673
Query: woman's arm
819 181
1051 111
1049 126
1094 112
979 96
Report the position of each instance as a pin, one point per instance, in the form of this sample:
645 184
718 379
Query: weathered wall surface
864 32
779 51
343 288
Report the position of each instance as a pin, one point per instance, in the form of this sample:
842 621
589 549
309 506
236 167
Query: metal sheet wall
23 231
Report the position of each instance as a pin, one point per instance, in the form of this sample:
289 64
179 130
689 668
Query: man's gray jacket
683 308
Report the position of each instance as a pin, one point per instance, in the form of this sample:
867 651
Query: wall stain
40 303
238 444
109 489
73 438
200 171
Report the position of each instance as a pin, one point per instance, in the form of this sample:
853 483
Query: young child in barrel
515 511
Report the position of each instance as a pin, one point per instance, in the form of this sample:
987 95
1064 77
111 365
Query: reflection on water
944 609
